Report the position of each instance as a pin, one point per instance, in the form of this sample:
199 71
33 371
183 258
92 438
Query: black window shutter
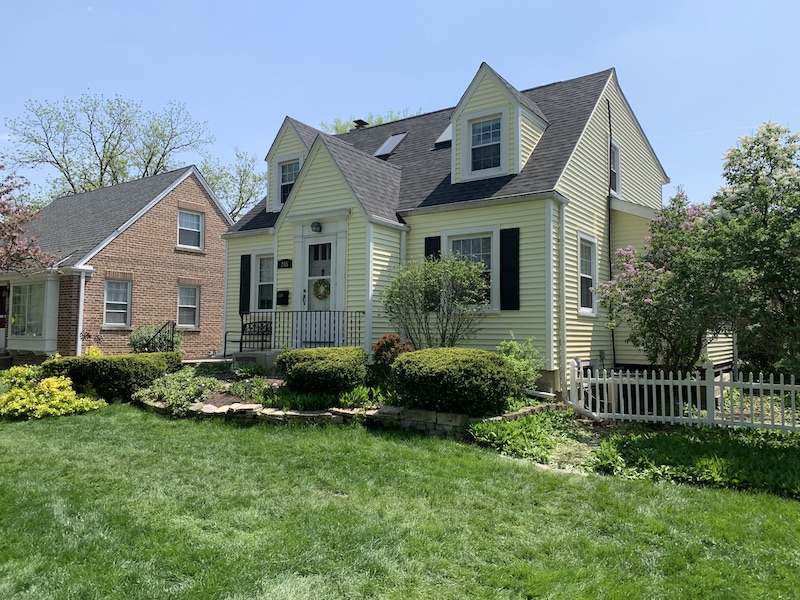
244 284
433 247
509 269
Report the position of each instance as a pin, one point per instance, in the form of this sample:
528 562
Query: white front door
317 326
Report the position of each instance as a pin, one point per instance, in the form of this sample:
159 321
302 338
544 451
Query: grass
120 503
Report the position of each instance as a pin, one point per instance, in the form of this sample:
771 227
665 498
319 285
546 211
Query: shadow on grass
736 458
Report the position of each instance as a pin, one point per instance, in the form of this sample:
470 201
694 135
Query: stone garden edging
441 424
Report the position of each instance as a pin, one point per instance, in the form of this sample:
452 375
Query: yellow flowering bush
52 396
93 352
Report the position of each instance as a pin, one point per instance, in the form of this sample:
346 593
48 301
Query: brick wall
68 299
147 254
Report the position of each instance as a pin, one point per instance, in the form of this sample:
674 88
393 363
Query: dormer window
289 171
486 138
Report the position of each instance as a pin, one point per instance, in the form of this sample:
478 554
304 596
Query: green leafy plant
150 339
361 397
178 391
474 382
533 437
248 370
256 390
525 361
22 375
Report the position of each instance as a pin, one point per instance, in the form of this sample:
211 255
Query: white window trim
196 307
276 183
202 229
12 307
585 237
494 275
254 279
467 174
127 300
617 193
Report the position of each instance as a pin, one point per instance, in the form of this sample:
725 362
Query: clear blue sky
697 74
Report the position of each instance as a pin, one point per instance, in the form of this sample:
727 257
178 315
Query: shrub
475 382
524 360
93 352
330 370
384 352
114 377
22 375
52 396
178 391
248 370
149 339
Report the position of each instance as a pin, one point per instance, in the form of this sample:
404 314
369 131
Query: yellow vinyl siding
530 134
529 216
323 188
720 349
628 230
385 260
585 183
289 145
640 176
486 96
237 246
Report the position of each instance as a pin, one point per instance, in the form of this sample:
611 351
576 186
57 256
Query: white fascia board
237 234
387 223
211 194
630 208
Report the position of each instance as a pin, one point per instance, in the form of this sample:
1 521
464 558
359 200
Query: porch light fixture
316 226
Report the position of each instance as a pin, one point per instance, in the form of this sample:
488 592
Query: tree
437 303
757 217
677 292
18 251
94 142
239 186
343 126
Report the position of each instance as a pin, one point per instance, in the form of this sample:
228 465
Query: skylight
389 145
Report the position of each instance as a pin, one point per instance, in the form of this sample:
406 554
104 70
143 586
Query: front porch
271 330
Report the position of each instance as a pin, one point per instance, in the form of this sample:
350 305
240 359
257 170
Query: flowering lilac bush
675 293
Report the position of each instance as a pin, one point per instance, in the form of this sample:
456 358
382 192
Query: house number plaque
285 263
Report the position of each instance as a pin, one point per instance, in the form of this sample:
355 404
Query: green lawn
119 503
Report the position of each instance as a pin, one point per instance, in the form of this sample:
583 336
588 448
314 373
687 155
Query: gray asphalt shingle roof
72 226
424 168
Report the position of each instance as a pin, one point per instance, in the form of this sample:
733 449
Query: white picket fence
766 402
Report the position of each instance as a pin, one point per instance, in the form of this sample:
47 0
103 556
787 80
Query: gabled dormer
495 129
284 159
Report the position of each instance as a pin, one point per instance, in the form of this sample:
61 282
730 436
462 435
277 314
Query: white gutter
79 344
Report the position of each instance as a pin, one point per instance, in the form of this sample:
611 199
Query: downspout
403 236
562 260
81 288
608 219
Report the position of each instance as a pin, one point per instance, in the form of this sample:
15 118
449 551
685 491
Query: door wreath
322 289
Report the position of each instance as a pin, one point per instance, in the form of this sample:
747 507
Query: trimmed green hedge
116 376
461 380
323 370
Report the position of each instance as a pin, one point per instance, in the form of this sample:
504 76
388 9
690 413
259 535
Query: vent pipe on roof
360 124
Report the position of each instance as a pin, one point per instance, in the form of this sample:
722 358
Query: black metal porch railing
297 329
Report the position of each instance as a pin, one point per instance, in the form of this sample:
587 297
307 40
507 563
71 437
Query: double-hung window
481 246
587 273
613 167
189 306
265 282
27 309
289 171
117 303
485 145
190 229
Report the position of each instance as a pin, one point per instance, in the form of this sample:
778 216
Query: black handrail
171 325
